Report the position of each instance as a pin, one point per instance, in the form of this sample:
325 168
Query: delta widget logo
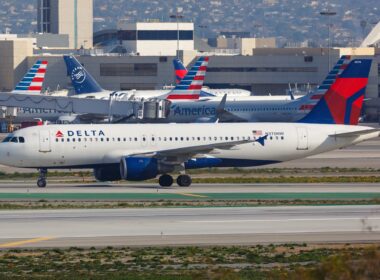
78 75
59 134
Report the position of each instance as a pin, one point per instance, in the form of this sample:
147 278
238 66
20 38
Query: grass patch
288 261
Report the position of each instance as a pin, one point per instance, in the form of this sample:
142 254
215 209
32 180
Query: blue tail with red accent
81 80
179 70
343 100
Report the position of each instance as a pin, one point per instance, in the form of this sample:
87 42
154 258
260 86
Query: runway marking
193 195
23 242
285 220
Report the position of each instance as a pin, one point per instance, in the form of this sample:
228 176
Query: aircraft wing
180 155
68 104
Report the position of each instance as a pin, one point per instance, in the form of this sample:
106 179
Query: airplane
139 152
32 83
224 110
87 87
232 93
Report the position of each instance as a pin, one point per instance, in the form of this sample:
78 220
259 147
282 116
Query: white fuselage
59 146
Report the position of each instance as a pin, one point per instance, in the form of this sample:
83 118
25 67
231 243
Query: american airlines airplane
143 151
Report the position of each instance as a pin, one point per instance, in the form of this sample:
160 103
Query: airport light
202 27
328 13
177 16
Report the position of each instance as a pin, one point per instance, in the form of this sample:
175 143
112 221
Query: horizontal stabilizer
355 133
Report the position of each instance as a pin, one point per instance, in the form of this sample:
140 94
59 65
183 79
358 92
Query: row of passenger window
261 109
165 139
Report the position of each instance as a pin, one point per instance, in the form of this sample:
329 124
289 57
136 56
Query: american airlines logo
80 133
78 75
196 111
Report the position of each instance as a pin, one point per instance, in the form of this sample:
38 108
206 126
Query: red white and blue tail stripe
189 88
180 70
33 80
312 98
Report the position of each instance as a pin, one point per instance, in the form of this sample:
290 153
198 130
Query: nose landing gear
41 182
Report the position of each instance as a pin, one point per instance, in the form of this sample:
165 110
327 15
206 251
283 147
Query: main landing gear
166 180
41 182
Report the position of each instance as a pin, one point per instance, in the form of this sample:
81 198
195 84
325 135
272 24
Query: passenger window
56 140
101 139
152 138
199 138
176 139
79 139
107 139
21 139
170 138
187 139
63 140
181 138
73 139
135 138
68 139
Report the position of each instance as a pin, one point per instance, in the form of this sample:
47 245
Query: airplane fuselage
63 146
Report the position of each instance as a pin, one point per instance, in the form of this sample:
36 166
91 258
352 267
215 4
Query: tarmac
188 226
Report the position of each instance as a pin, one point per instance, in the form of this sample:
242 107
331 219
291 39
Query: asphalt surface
185 226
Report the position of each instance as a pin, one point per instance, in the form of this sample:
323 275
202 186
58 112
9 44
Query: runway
186 226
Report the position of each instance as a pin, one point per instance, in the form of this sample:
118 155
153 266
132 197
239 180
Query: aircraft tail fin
81 80
180 70
343 100
33 80
311 99
190 86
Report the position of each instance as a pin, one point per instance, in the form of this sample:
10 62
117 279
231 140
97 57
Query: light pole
328 13
202 27
177 16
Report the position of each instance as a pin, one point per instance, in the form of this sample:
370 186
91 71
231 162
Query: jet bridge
144 110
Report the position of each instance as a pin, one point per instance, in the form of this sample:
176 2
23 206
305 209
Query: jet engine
138 168
107 173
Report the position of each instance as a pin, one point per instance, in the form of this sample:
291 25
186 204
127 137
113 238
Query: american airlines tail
343 100
33 80
308 102
82 81
190 86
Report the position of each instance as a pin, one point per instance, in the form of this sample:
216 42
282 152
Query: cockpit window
21 139
14 140
7 139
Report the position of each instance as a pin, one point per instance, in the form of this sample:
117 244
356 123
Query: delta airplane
143 151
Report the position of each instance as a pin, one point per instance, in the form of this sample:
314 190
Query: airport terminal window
128 69
127 35
164 35
262 69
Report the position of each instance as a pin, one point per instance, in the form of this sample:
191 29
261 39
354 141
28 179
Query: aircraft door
45 141
302 138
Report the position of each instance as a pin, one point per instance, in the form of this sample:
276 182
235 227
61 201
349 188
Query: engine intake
138 168
107 173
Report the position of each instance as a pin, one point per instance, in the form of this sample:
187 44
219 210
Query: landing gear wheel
184 180
165 180
41 183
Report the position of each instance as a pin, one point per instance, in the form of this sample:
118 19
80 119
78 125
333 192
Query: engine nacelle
138 168
107 173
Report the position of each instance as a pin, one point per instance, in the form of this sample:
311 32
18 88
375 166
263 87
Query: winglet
179 70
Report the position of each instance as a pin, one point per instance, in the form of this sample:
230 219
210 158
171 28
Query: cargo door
45 141
302 138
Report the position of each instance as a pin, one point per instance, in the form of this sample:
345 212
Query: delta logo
59 134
